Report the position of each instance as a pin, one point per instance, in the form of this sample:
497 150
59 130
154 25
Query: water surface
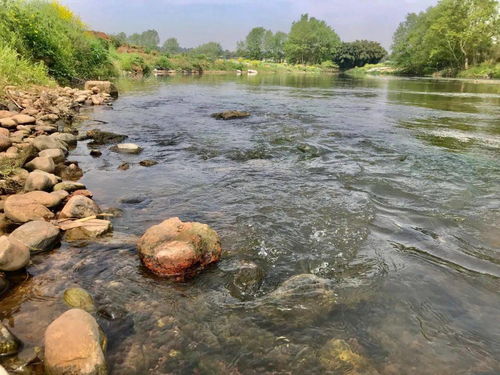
388 188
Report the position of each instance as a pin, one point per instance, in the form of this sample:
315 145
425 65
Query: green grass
373 69
483 71
19 71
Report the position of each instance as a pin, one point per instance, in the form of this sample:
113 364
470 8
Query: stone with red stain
177 249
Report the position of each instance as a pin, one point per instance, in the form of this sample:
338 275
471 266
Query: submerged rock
148 163
299 301
4 283
74 344
38 236
79 298
102 138
124 166
336 356
179 249
230 115
9 344
95 153
14 255
246 281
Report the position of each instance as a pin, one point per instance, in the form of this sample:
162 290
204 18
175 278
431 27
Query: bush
49 33
16 70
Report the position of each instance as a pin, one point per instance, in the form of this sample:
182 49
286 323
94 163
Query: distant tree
121 37
171 46
211 49
148 39
262 44
358 53
311 41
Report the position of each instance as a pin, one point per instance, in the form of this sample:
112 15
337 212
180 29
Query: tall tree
148 39
311 41
210 49
451 35
171 46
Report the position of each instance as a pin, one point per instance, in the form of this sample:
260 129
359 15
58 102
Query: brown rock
230 115
79 206
103 87
178 249
74 345
42 163
8 123
4 132
13 254
40 180
24 119
87 229
6 114
5 143
37 235
21 209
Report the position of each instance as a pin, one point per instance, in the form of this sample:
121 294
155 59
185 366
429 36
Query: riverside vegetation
44 45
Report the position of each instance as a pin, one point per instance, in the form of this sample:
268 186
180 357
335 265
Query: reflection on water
386 189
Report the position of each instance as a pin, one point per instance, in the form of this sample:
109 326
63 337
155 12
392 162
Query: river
388 188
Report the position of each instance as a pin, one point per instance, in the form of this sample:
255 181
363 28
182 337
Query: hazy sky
194 22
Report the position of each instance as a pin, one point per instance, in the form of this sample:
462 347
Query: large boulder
299 301
21 208
37 235
14 255
177 249
57 155
42 163
23 119
74 345
40 180
45 142
102 87
79 207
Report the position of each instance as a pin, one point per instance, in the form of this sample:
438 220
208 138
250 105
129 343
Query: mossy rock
79 298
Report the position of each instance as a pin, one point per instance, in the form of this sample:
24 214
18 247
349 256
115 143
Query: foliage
311 41
358 53
49 33
171 46
147 39
449 36
17 70
263 44
484 70
210 49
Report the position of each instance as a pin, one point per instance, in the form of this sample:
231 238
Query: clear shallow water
389 188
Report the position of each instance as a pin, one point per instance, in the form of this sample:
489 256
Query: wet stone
79 298
148 163
9 344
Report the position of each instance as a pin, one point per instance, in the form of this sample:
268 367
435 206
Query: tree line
310 41
452 35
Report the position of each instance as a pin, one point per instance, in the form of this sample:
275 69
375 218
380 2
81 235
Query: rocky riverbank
42 203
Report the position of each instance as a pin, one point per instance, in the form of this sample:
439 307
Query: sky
194 22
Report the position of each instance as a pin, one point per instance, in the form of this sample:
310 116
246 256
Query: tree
171 46
451 35
278 46
358 53
211 49
311 41
254 43
148 39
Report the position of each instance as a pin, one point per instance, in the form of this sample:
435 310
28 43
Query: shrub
16 70
50 33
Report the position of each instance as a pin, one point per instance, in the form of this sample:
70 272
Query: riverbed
388 188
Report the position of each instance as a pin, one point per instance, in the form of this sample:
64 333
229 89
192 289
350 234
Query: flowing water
387 188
